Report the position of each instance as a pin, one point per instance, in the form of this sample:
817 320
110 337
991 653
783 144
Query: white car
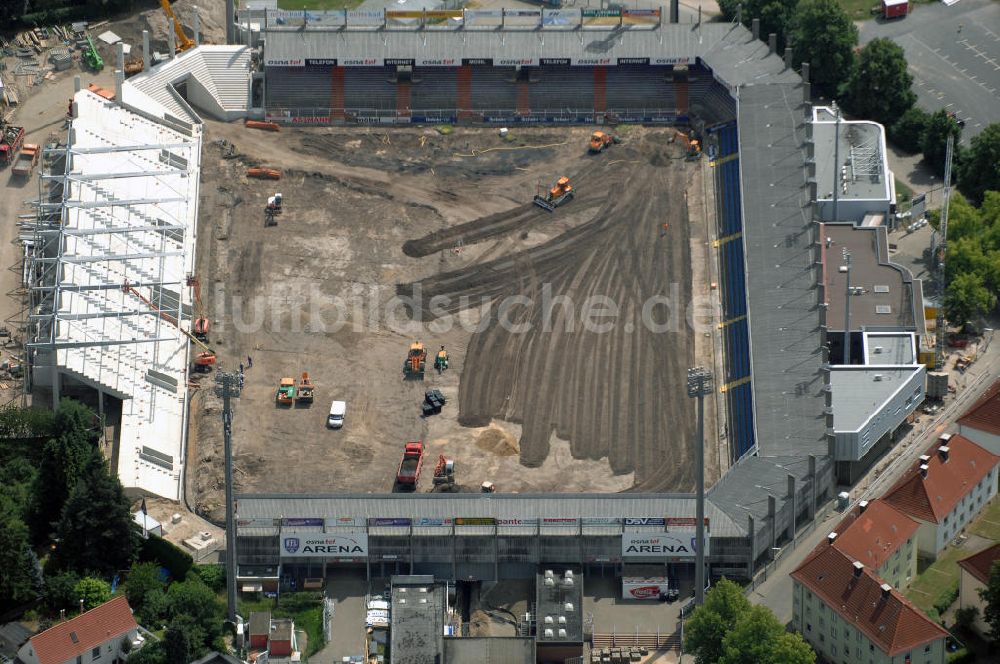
335 420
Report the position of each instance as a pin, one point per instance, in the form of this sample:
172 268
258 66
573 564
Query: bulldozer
441 361
416 362
559 194
599 141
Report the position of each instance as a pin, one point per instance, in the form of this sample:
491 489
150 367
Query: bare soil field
391 237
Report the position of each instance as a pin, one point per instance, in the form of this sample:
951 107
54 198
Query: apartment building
945 490
851 616
975 575
880 537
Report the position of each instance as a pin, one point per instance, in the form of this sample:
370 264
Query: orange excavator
183 41
203 361
560 193
416 361
599 141
201 326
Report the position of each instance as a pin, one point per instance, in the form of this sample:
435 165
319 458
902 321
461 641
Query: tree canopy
880 85
774 15
935 137
991 596
979 171
728 630
93 592
825 37
21 577
973 261
96 533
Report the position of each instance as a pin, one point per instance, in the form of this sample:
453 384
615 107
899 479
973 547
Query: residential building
851 616
945 490
981 423
882 538
975 575
93 637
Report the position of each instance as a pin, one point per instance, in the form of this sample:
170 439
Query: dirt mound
499 442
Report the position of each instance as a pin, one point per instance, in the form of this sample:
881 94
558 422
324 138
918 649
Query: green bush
213 576
946 599
908 132
156 549
963 656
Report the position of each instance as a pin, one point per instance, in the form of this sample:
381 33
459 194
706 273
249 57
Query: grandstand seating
493 89
432 87
561 89
736 337
369 89
639 87
298 88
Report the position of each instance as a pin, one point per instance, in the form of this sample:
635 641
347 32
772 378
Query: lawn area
305 608
903 192
857 10
318 4
988 523
937 581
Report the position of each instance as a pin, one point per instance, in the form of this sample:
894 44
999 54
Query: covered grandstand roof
730 49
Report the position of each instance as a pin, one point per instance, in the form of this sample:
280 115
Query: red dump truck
26 161
11 138
409 466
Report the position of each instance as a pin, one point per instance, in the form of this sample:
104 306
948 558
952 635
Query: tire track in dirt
617 394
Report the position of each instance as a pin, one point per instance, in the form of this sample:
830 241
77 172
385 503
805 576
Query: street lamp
699 386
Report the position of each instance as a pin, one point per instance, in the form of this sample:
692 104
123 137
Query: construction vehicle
693 145
274 203
560 193
133 66
203 361
92 57
409 465
285 396
26 161
599 141
441 361
416 361
444 472
183 41
201 326
11 139
304 394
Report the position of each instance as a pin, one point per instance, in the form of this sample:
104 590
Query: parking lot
954 57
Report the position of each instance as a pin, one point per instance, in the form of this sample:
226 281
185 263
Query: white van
338 409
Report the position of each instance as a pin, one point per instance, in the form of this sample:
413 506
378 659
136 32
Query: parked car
338 410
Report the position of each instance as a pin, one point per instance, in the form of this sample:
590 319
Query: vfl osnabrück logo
291 544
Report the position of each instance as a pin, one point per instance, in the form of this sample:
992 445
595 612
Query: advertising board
443 19
303 521
483 18
522 17
560 18
683 522
256 522
475 521
325 545
643 588
344 521
640 17
660 545
386 521
425 521
369 18
645 522
284 62
529 522
601 521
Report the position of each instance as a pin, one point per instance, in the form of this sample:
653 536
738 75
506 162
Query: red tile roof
979 564
873 536
888 619
931 498
985 413
107 622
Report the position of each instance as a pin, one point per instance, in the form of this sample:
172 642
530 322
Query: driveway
954 57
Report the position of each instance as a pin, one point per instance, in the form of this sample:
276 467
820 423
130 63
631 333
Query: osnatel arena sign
661 545
328 545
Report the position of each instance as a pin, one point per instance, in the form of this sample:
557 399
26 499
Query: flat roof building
417 629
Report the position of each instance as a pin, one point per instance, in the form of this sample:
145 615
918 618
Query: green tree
193 598
185 639
979 171
143 583
20 579
96 533
60 592
213 576
774 15
758 638
991 596
967 298
879 87
939 125
965 617
64 458
707 627
824 36
93 592
150 653
908 132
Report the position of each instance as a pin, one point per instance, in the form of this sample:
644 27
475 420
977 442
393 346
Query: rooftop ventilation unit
878 377
881 288
883 309
548 634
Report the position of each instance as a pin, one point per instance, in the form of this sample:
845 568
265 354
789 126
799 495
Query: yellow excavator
183 41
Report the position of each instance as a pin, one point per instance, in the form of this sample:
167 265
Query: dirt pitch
440 221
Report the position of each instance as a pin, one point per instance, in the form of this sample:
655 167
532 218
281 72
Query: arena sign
329 545
660 545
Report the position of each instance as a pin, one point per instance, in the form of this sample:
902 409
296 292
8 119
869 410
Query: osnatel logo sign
329 545
665 545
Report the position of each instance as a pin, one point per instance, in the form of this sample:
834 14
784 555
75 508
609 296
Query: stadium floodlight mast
847 307
699 386
230 384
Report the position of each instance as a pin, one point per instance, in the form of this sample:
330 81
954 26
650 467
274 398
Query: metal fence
326 116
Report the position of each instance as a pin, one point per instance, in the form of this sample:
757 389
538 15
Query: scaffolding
117 204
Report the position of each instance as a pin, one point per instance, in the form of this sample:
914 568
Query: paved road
776 591
954 56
